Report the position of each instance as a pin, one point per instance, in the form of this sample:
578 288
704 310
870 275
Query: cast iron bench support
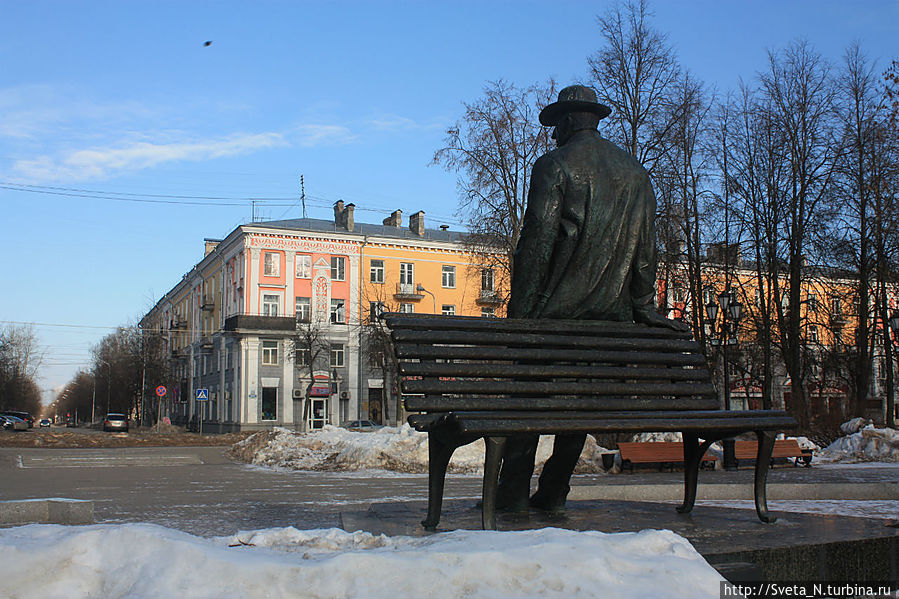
465 378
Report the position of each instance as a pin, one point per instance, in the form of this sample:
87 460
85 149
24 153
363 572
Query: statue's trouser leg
515 476
553 487
492 458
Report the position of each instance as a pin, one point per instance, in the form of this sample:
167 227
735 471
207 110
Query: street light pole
726 335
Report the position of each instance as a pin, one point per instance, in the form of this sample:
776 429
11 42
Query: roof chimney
417 223
339 214
444 227
395 219
348 220
210 245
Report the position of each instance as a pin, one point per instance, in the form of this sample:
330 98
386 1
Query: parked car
362 425
11 423
45 422
28 418
115 422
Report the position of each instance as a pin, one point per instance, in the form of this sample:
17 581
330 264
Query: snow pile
398 449
869 444
142 561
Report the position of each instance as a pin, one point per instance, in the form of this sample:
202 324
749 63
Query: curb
54 510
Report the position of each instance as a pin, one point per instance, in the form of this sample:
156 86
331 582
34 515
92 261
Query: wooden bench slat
543 340
431 403
685 390
457 352
621 415
661 425
527 371
396 320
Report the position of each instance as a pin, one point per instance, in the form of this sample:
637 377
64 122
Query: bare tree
635 74
493 147
799 93
20 358
309 348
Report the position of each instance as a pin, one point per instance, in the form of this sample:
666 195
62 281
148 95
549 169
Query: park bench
784 449
664 453
466 378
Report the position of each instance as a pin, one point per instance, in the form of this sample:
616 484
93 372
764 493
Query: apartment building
274 326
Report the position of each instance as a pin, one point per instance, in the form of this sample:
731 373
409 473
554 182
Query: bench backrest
654 451
783 448
457 363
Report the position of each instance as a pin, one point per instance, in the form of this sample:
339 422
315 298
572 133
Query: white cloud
393 122
100 163
317 135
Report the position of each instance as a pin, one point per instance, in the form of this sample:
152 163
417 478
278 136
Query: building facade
277 324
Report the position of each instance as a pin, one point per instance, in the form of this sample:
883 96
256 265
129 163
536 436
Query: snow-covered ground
141 561
405 450
149 561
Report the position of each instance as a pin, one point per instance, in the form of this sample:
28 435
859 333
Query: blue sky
123 101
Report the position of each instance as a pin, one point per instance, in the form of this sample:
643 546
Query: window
303 357
488 312
758 297
837 336
336 355
407 308
407 273
338 268
812 302
338 312
270 353
304 266
448 310
270 304
813 334
487 279
449 277
304 309
271 264
375 309
377 271
835 306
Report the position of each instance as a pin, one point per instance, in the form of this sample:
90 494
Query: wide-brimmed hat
574 98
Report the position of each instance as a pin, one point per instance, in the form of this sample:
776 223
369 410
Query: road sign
160 390
202 394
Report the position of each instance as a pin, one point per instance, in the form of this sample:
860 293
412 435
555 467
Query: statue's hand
653 319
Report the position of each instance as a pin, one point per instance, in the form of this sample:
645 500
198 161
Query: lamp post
420 288
724 335
891 394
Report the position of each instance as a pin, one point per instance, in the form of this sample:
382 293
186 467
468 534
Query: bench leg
492 459
693 453
439 454
762 461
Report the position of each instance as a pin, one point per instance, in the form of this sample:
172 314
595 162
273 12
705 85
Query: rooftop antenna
303 194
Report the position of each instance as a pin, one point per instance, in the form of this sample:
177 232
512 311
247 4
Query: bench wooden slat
438 403
544 340
660 425
396 320
621 415
527 371
685 390
457 352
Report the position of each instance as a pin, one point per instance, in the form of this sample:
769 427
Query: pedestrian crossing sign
202 394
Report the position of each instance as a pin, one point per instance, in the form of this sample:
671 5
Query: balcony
407 291
177 323
207 304
489 297
243 322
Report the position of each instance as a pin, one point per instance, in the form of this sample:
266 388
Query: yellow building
273 326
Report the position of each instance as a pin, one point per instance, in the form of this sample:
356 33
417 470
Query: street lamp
891 397
420 288
724 334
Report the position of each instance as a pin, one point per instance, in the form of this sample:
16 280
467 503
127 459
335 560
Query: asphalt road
200 490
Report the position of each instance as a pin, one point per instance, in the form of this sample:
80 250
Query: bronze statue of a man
586 251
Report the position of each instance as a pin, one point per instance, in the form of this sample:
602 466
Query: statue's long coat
587 244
